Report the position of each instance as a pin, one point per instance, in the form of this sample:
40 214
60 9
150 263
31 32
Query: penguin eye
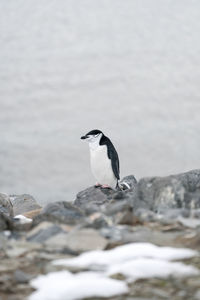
96 135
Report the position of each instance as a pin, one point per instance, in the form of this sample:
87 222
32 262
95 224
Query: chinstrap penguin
103 158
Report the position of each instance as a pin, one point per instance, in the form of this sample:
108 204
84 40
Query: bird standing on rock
103 158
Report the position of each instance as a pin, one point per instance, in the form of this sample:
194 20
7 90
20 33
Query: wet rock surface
164 211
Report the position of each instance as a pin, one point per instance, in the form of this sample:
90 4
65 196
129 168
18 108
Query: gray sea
130 68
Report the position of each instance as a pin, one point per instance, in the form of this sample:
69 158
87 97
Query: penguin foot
105 186
97 185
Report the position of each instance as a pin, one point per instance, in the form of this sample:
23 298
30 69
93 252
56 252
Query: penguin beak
84 137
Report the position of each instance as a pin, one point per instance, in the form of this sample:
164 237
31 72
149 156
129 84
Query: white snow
126 253
65 285
23 219
189 222
134 261
148 268
7 233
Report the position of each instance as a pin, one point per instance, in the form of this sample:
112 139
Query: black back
112 154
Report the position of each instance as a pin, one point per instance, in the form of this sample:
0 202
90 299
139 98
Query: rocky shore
155 222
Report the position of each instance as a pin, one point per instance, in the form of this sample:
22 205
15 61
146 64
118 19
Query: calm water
130 68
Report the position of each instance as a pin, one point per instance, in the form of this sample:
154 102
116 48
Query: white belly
101 166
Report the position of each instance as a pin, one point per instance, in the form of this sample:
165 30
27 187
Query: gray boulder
60 212
157 194
6 222
78 240
22 277
23 203
6 205
43 232
94 199
171 192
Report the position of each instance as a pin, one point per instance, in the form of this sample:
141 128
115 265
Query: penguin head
93 136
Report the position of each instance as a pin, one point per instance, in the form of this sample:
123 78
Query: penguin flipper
112 155
115 163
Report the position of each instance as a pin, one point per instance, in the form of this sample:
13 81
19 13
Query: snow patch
134 261
65 285
148 268
7 233
125 253
23 219
189 222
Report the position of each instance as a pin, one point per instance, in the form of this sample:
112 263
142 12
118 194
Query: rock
78 240
164 211
59 244
22 277
21 248
128 218
32 213
143 234
197 295
3 241
128 182
60 212
190 238
6 205
23 203
146 215
114 233
170 197
97 220
114 207
171 192
6 223
94 199
8 265
120 212
21 226
43 232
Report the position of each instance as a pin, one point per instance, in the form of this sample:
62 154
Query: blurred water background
130 68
